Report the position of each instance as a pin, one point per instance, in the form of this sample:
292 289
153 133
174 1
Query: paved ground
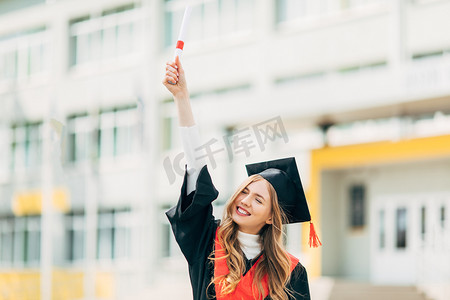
175 286
172 283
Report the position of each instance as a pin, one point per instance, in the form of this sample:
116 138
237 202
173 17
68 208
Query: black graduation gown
194 227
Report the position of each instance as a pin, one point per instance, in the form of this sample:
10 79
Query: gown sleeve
192 219
298 284
190 139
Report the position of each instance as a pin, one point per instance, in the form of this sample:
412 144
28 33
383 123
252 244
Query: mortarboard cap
285 179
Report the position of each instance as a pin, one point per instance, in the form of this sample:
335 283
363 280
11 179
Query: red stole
245 290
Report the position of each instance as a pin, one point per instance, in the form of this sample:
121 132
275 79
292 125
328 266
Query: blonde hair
275 261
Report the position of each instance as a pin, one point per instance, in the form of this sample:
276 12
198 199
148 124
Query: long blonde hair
275 261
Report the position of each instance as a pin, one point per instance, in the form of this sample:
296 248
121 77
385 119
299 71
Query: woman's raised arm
175 81
191 219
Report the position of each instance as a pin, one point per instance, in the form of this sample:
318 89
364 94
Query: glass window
126 132
75 236
401 228
166 239
5 155
36 56
423 220
122 239
8 65
78 132
105 236
23 54
289 10
109 42
34 139
20 238
125 34
357 206
19 147
382 230
6 240
227 17
114 235
195 28
244 20
210 19
33 244
112 35
26 146
211 11
107 134
118 132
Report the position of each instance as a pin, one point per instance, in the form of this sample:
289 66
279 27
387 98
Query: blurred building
357 90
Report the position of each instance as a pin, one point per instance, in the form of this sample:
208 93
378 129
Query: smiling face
252 207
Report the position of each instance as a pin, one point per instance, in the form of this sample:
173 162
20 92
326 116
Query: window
8 64
78 132
114 235
8 6
126 131
75 236
112 35
6 240
5 137
20 240
33 240
382 230
107 134
166 239
210 19
401 228
357 206
118 134
105 235
122 239
290 10
23 55
423 219
26 146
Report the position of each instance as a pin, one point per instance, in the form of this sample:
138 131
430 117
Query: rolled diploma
180 41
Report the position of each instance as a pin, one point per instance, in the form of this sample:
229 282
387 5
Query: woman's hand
175 80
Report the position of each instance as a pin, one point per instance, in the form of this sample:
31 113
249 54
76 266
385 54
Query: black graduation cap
284 177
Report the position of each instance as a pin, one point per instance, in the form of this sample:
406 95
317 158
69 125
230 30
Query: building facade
358 91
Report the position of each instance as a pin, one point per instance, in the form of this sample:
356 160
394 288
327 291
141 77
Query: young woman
241 257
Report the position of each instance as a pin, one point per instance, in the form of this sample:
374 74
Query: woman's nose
246 200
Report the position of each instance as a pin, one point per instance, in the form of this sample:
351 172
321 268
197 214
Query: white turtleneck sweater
190 139
249 244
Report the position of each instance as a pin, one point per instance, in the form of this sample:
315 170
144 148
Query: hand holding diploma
175 80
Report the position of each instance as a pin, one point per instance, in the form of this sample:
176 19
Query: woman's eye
259 201
244 192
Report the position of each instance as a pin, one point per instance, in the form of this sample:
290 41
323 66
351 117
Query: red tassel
313 238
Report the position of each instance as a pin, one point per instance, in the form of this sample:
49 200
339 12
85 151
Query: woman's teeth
243 211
